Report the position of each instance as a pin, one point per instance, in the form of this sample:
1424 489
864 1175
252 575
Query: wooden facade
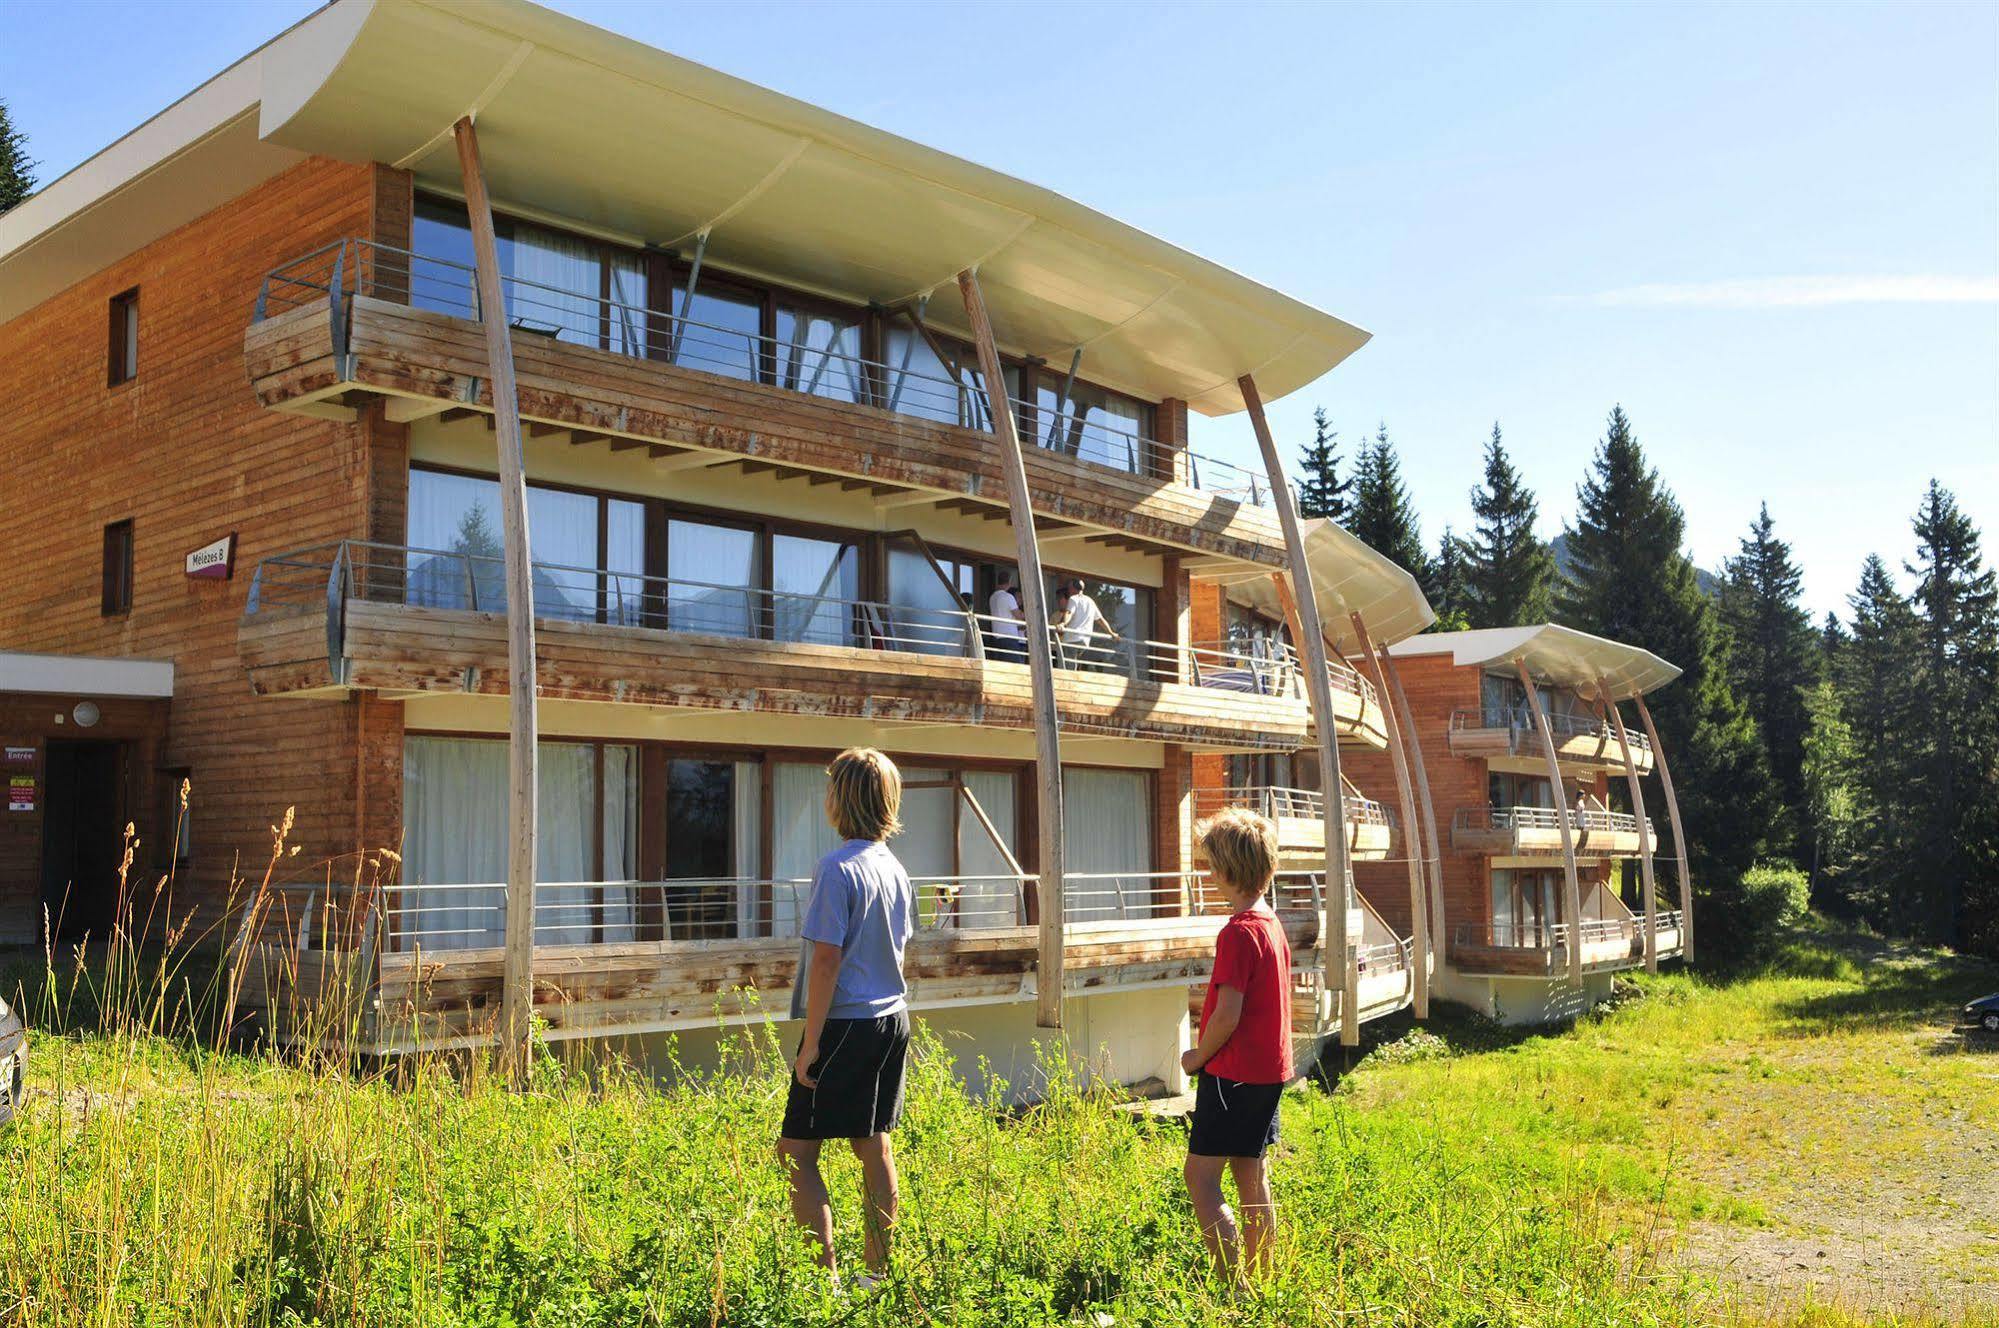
292 376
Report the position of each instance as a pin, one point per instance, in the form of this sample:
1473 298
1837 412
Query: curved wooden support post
1419 922
1572 891
1340 959
1679 835
1434 862
1637 788
1040 662
523 728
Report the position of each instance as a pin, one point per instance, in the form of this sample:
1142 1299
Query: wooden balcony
1536 832
1300 817
406 622
356 321
1531 951
370 976
1580 740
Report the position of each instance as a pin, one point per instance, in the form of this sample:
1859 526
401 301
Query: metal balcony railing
330 575
1547 818
592 913
1537 936
822 360
1276 802
1519 720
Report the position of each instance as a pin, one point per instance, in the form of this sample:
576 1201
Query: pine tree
1629 581
1873 678
1381 513
17 169
1321 491
1772 660
1451 595
1508 566
1956 681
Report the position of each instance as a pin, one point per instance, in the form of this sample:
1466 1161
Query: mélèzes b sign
214 562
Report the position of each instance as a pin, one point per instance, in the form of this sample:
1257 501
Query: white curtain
566 790
814 584
455 834
926 845
628 304
567 277
746 829
621 841
988 903
1109 825
800 836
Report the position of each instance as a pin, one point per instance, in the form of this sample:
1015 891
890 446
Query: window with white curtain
723 328
1107 815
800 836
715 570
1090 423
455 835
557 286
454 524
814 586
989 895
819 353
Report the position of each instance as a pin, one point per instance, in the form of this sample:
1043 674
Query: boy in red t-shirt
1244 1056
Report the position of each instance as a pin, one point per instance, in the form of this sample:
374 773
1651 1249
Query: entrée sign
214 562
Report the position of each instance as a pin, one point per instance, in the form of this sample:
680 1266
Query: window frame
115 586
122 339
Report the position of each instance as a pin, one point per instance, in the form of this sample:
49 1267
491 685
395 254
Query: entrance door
81 819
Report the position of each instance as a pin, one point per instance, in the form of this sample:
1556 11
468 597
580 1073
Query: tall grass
160 1172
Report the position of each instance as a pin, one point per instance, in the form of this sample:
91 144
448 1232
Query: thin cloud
1800 292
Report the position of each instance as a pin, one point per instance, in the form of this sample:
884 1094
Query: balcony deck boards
405 649
411 1000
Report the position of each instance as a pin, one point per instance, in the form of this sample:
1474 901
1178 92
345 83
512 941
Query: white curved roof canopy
1557 655
1348 577
586 124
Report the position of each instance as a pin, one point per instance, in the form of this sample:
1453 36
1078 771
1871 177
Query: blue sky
1770 231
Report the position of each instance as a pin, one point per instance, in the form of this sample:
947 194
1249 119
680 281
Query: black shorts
1233 1119
859 1073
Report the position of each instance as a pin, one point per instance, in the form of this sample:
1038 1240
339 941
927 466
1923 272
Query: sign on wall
20 756
21 793
214 562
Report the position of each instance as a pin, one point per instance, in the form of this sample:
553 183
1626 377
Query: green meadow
1809 1144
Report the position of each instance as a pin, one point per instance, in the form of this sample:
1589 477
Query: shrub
1746 925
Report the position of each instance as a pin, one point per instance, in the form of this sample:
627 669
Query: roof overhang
1348 577
1556 655
581 123
86 675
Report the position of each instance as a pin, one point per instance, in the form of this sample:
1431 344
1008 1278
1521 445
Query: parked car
13 1060
1984 1012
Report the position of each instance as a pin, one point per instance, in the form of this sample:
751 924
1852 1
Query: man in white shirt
1009 641
1080 623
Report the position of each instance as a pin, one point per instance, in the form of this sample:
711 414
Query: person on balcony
1009 634
846 1082
1244 1053
1079 621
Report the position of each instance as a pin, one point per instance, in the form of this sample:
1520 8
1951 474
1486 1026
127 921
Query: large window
589 550
1091 423
455 842
1108 814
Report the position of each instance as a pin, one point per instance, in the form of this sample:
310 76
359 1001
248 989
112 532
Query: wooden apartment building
253 526
1540 871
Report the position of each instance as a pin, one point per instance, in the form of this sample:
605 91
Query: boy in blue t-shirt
847 1079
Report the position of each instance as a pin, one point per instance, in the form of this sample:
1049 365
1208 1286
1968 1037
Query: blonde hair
1242 848
864 794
